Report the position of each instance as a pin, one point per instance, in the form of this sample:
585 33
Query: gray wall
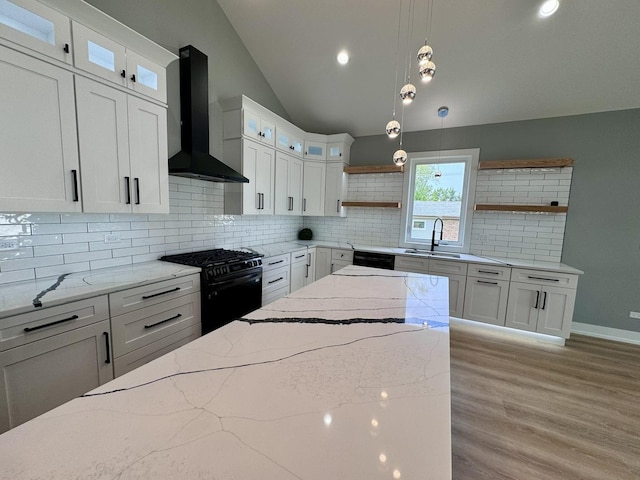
603 224
201 23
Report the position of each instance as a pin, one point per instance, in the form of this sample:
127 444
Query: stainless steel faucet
433 233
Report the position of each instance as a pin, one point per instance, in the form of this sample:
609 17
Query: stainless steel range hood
194 161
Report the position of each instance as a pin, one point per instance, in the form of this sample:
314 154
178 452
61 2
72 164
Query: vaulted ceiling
497 61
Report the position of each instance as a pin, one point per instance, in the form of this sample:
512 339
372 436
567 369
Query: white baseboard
608 333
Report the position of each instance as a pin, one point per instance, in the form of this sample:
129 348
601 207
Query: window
439 186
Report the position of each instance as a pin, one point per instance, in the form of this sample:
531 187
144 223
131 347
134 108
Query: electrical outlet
634 315
112 238
8 245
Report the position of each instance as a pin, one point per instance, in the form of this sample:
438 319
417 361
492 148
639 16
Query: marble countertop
288 247
346 378
23 297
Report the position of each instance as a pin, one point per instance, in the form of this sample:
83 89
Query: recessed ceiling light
548 8
343 57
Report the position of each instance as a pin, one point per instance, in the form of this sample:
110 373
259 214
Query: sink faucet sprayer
433 233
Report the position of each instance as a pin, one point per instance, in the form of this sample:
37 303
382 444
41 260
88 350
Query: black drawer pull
163 321
275 263
145 297
57 322
276 280
487 271
543 278
487 283
106 341
300 256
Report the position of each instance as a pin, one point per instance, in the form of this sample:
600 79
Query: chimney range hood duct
194 161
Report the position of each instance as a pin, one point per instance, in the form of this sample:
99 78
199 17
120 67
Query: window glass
315 150
439 190
147 77
27 22
101 56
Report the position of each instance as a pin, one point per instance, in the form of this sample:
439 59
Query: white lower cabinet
486 292
299 270
151 320
456 273
58 353
323 262
340 258
538 305
275 277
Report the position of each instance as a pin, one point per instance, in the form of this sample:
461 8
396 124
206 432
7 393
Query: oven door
373 259
230 297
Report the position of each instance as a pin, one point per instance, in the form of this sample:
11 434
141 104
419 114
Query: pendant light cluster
426 72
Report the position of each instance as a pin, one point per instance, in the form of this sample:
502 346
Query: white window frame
470 157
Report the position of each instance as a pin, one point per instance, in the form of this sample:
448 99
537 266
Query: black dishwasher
373 259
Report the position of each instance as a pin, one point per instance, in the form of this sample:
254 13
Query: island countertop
347 378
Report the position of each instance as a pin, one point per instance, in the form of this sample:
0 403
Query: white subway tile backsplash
46 228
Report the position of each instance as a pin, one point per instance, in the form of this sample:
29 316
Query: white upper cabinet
335 191
314 183
255 127
314 150
338 152
288 185
289 140
37 27
39 160
97 54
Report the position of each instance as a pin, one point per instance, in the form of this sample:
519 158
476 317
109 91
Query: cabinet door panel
265 178
556 316
36 26
486 300
314 180
148 156
298 275
457 286
311 266
295 185
146 77
97 54
41 375
37 136
323 262
104 147
281 191
522 313
336 188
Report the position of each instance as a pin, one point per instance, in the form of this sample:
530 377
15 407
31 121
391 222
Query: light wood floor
524 410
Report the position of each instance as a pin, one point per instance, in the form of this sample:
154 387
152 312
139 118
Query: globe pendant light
427 70
408 93
400 157
424 54
393 129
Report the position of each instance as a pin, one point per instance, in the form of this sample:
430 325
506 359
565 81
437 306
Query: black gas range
230 283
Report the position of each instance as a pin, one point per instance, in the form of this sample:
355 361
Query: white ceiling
496 60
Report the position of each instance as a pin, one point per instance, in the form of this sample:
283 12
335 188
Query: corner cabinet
39 161
335 190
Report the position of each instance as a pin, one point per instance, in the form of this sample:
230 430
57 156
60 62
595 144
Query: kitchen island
347 378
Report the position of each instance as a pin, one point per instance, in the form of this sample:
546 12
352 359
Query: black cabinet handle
544 300
543 278
146 297
106 341
76 196
307 274
537 298
299 256
338 206
304 204
57 322
127 186
136 182
133 78
66 48
275 263
276 280
123 74
487 271
308 259
163 321
487 283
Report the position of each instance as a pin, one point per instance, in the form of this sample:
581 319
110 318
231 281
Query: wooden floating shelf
375 169
520 208
373 204
526 163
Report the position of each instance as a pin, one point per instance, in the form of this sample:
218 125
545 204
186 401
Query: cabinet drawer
339 254
411 264
154 350
494 272
540 277
276 261
275 279
30 327
140 297
447 267
274 295
299 256
142 327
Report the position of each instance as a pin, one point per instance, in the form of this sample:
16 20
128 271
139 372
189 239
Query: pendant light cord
395 87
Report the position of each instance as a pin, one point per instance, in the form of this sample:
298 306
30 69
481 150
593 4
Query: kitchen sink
432 254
